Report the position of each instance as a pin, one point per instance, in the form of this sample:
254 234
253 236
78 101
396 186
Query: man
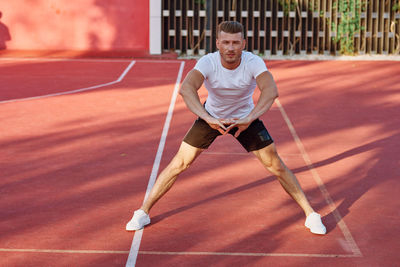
230 76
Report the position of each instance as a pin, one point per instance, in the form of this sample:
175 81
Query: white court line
120 78
226 153
77 251
90 60
246 154
72 251
248 254
343 227
138 234
63 59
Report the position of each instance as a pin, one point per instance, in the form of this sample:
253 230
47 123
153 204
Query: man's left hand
241 124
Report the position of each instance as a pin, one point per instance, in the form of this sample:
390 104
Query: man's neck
230 66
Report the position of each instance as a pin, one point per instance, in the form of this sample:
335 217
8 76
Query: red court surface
77 162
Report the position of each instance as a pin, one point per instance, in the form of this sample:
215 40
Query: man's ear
244 44
217 43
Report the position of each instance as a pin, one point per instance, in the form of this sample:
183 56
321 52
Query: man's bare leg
272 162
182 160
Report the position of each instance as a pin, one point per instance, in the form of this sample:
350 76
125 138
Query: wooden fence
285 27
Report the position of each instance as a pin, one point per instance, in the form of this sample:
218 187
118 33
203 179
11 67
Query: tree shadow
381 172
355 111
63 76
5 35
158 218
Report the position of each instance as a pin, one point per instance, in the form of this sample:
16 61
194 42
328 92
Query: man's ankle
308 212
145 210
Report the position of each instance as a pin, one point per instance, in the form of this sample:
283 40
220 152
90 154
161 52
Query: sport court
83 139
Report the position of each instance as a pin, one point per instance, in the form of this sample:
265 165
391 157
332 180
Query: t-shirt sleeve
257 66
203 65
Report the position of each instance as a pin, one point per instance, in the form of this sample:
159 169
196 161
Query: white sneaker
314 223
138 221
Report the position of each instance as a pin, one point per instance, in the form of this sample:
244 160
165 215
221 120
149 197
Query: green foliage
396 7
349 24
288 5
200 2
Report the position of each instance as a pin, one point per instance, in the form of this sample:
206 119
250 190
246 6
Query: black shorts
255 137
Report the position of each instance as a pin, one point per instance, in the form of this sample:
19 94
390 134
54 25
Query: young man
230 76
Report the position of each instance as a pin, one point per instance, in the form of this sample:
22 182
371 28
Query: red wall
94 25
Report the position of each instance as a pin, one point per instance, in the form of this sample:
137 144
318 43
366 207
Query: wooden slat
375 23
336 19
211 18
174 25
386 27
274 31
368 34
391 40
316 29
268 28
290 25
304 25
363 28
203 27
323 28
329 27
259 26
280 28
397 47
310 28
285 31
394 24
357 35
189 24
380 27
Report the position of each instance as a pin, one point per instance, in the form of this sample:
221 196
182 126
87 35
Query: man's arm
191 84
269 92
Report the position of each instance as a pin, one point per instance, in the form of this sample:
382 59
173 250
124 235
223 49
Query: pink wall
99 25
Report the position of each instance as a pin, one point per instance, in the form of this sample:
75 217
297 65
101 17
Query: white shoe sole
322 232
127 228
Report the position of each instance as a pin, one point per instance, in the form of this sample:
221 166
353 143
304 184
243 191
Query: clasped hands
225 125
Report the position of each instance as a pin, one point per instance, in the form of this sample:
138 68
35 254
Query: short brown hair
230 27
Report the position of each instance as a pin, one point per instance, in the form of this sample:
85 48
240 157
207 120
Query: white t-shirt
230 91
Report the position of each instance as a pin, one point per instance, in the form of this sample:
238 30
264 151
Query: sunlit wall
75 25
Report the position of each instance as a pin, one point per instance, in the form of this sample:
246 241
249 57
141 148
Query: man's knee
271 160
179 164
277 168
185 156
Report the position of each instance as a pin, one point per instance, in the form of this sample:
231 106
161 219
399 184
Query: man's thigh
255 137
201 135
187 153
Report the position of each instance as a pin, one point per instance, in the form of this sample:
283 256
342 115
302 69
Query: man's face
230 46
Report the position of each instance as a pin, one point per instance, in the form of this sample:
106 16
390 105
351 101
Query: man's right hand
216 124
